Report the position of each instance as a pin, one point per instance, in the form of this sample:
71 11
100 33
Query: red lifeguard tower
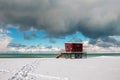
71 47
72 50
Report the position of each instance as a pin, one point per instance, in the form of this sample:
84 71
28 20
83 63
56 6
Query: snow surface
97 68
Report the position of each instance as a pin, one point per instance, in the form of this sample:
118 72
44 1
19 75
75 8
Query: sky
45 25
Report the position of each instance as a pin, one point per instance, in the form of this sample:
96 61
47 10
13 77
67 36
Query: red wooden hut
71 47
72 50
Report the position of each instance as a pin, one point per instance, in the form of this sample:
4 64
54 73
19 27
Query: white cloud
5 46
4 41
97 49
4 31
35 49
115 37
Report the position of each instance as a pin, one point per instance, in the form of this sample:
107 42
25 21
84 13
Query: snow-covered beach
96 68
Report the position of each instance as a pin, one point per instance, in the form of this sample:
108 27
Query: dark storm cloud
93 18
105 42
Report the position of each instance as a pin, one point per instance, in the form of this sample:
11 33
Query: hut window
66 46
78 45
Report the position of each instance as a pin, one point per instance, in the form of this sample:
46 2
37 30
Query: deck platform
71 55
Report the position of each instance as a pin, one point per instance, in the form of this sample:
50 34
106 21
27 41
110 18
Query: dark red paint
73 47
